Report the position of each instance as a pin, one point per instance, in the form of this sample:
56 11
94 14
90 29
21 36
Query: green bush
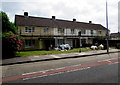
6 24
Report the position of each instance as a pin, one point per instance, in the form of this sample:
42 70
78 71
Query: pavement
29 59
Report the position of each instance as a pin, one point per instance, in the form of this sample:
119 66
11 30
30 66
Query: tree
6 24
11 42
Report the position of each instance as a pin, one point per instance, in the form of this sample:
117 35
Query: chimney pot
74 20
53 17
25 13
90 22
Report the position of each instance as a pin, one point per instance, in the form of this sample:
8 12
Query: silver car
65 47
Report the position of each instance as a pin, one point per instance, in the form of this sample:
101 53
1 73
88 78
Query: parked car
101 46
63 47
93 47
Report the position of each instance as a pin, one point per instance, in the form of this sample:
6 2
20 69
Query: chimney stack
25 13
53 17
90 22
74 20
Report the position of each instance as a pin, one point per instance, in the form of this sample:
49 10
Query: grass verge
33 53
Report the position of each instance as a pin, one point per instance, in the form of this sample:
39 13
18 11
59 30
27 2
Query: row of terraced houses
39 33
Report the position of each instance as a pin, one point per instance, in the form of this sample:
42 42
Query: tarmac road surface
107 73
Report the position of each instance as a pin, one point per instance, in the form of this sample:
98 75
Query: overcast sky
82 10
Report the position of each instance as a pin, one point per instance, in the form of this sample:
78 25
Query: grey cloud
11 7
39 13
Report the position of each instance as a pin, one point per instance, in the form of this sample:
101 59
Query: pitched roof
114 35
49 22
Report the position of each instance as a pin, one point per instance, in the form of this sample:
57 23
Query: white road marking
52 69
60 72
108 60
113 63
57 73
34 77
66 67
33 72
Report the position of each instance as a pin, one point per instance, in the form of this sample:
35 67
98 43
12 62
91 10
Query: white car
93 47
65 47
101 46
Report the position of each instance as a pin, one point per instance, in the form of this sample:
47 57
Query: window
45 30
83 31
99 32
60 30
83 41
29 29
92 32
72 31
29 43
60 41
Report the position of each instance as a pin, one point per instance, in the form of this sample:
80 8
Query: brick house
39 33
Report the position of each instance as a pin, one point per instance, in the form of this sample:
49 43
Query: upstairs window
83 31
60 30
100 32
29 29
91 32
72 31
45 30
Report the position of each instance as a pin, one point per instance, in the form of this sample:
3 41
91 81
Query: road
94 69
100 74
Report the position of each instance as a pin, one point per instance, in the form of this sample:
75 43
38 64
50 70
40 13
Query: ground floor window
60 41
83 41
29 43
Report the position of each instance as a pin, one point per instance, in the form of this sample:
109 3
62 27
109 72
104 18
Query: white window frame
91 32
72 31
83 31
29 29
46 30
60 30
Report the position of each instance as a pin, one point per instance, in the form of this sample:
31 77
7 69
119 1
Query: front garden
33 53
